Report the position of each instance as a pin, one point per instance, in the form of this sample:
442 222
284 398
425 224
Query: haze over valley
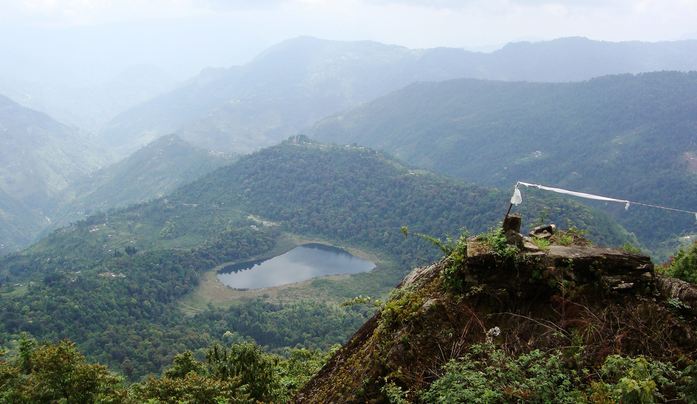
205 201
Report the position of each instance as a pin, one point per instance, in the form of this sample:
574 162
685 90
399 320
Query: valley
332 221
160 252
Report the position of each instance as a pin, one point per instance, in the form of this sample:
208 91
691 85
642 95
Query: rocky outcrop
605 300
683 293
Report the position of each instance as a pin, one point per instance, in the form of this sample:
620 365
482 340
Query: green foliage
684 265
677 304
39 157
241 373
302 323
631 248
496 240
367 300
394 393
55 373
192 388
402 306
456 257
153 170
299 366
183 364
455 252
634 380
565 239
247 363
488 375
353 195
541 243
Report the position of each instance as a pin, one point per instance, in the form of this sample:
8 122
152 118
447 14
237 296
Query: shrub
496 240
684 265
634 380
487 374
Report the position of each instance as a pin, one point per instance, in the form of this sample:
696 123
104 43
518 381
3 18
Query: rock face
546 231
540 299
683 292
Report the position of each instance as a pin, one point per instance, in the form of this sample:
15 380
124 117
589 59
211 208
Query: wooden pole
508 212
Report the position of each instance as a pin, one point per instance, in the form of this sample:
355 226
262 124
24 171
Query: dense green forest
241 371
112 282
626 136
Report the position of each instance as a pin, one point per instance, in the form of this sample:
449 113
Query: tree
56 373
246 361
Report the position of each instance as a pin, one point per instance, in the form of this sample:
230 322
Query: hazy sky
98 38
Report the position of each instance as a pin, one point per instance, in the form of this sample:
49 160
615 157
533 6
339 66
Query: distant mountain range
632 137
299 81
296 83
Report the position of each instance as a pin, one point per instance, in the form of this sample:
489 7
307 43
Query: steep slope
299 81
39 157
571 324
113 283
149 173
626 136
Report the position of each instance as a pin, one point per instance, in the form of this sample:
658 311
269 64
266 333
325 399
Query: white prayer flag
517 198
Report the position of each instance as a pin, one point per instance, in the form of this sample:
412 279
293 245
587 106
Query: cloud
90 12
238 4
460 4
413 23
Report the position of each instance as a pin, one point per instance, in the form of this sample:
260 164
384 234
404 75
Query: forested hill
151 172
628 136
113 282
354 193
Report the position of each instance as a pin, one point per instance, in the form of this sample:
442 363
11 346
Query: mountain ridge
257 104
597 136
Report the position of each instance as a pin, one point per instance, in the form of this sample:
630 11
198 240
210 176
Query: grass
336 288
14 291
542 243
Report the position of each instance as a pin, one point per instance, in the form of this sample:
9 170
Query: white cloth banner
517 198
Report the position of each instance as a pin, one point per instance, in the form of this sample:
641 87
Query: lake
299 264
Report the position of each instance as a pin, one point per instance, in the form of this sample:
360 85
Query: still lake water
299 264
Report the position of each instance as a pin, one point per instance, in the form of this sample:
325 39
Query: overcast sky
183 36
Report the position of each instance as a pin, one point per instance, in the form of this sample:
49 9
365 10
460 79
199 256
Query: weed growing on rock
455 253
541 243
496 240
